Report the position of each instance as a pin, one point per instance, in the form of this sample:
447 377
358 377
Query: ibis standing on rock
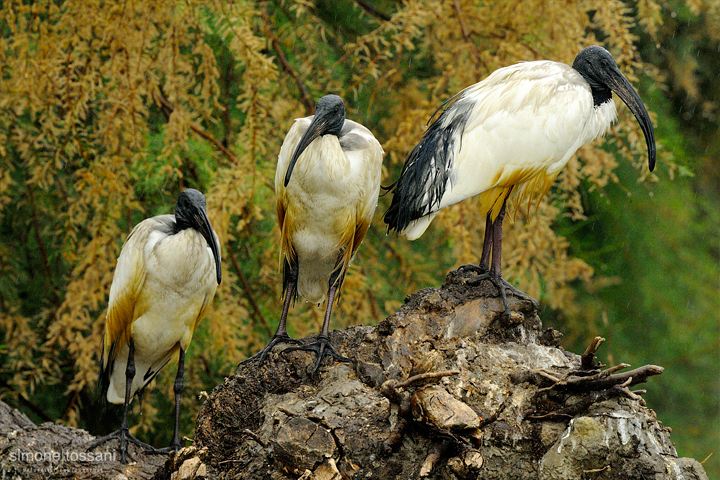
327 184
510 133
166 276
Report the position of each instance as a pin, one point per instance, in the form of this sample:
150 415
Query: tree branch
167 109
587 359
257 313
600 381
373 11
465 31
304 94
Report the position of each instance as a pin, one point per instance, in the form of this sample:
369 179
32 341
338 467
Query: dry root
591 384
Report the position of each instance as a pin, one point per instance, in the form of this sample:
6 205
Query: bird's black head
329 120
188 203
331 110
598 67
190 212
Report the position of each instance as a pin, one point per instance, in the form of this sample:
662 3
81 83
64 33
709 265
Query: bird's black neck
600 91
601 94
180 225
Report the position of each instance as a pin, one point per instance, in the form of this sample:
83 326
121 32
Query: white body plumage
161 287
523 123
511 133
328 204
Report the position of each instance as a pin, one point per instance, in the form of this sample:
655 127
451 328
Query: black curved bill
203 226
623 89
318 127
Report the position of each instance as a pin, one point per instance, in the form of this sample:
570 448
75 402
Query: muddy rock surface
448 387
50 451
276 422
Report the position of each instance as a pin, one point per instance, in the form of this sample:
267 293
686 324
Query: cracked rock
302 444
434 405
619 445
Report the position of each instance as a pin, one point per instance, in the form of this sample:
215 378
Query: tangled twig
591 384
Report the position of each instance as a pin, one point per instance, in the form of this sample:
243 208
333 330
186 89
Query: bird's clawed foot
321 347
519 294
473 268
504 287
174 447
501 284
277 339
124 436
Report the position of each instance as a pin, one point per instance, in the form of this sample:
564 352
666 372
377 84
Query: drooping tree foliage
108 110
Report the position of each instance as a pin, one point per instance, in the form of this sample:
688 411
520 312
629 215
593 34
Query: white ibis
327 184
166 276
512 132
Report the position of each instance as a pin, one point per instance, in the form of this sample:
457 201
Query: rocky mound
448 387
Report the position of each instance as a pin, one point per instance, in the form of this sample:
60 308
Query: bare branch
168 108
254 436
426 376
587 359
600 381
492 418
257 313
465 31
373 11
304 94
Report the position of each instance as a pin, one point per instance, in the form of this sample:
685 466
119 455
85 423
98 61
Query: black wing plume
424 176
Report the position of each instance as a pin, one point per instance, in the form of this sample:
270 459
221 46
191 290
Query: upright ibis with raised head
510 133
166 276
327 184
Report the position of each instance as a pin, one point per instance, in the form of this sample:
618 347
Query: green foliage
107 111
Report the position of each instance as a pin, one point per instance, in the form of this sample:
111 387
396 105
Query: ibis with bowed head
166 276
327 184
510 133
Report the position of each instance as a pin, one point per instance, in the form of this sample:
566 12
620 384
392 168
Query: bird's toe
322 348
175 447
522 295
124 437
473 268
276 340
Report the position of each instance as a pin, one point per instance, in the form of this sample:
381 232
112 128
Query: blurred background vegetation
108 110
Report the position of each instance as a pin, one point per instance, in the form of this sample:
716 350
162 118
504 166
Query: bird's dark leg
177 389
281 336
497 242
492 250
124 433
495 269
484 267
487 244
322 345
